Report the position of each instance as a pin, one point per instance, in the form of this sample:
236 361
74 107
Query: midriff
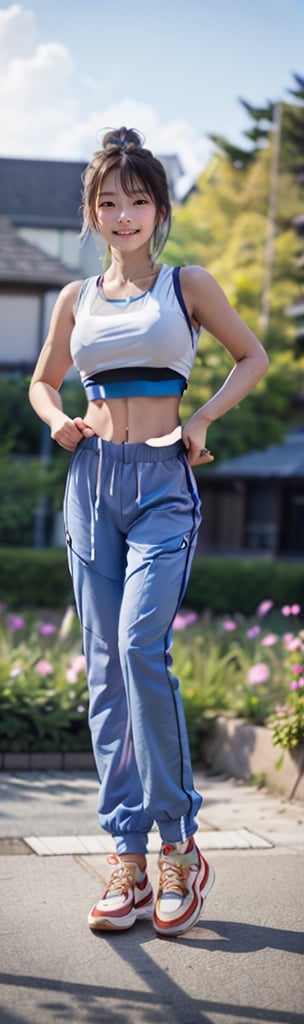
135 419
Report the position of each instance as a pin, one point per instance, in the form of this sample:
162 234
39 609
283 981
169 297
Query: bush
226 665
228 584
35 578
43 687
32 578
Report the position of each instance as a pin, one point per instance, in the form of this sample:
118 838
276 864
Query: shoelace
173 877
122 878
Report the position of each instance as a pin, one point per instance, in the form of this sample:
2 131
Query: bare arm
51 367
210 308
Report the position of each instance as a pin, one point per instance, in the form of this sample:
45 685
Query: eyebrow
135 192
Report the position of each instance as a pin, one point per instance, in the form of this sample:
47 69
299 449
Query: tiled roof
279 460
42 193
48 193
23 263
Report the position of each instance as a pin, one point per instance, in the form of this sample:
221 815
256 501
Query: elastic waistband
130 452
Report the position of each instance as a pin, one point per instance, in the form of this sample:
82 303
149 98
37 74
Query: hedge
31 578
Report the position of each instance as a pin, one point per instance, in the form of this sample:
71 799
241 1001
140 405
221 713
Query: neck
135 267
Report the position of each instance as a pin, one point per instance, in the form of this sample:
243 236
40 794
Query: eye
105 203
140 202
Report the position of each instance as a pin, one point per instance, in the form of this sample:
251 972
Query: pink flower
77 665
44 667
254 631
47 628
71 675
269 640
291 609
229 625
184 619
15 672
297 668
287 637
16 622
294 645
258 674
264 607
80 709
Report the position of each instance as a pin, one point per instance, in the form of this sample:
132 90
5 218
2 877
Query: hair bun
122 138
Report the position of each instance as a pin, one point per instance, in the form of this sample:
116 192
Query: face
126 222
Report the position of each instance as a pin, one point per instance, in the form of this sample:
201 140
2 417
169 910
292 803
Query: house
254 503
29 283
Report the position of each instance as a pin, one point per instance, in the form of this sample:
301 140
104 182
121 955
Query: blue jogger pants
131 517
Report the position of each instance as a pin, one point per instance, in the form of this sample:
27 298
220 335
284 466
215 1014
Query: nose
124 215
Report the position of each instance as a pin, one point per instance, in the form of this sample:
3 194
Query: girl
132 515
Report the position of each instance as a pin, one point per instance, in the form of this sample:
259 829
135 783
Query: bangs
132 181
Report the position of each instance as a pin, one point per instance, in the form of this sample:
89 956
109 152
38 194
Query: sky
174 69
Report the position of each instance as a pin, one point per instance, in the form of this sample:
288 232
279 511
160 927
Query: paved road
240 964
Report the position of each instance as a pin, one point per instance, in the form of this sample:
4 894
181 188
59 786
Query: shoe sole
182 928
122 924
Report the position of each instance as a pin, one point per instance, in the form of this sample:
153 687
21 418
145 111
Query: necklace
145 277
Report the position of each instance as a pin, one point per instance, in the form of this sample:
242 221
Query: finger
80 424
205 455
200 460
88 432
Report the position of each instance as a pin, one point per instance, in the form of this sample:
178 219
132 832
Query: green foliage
40 579
227 584
34 578
288 720
20 430
288 725
33 468
23 480
231 665
225 227
242 667
43 689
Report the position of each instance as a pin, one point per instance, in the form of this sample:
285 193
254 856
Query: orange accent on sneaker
127 897
182 890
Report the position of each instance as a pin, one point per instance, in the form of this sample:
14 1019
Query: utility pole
271 220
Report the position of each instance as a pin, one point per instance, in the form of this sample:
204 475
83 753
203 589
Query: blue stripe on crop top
134 381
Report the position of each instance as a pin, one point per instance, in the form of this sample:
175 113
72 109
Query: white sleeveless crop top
144 345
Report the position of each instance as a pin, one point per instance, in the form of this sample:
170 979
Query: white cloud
83 138
46 108
18 34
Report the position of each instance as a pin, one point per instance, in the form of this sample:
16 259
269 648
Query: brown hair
123 150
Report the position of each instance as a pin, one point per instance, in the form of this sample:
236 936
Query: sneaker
127 897
185 881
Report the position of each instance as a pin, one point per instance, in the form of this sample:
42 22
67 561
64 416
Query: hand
68 433
194 438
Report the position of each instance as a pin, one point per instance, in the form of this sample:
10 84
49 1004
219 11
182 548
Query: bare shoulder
63 313
68 296
201 293
195 279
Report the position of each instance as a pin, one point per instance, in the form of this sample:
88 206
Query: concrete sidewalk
240 964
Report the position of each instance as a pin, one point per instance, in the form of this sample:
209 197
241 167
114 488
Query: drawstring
112 480
94 515
138 485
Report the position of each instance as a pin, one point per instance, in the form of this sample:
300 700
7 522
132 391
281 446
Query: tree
239 226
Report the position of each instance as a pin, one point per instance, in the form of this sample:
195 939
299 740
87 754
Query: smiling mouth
131 232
